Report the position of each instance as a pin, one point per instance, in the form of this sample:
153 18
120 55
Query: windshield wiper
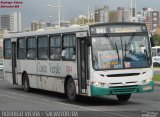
114 46
125 49
130 40
117 51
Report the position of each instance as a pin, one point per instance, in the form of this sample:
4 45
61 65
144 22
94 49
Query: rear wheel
124 97
71 90
26 85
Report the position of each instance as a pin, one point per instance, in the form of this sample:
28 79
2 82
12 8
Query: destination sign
117 29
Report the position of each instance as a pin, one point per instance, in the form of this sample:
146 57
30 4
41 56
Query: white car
1 65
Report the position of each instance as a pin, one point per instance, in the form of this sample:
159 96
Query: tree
156 39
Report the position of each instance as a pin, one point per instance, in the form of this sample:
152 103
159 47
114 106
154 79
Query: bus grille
123 90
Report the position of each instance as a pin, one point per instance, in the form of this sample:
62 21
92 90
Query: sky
34 10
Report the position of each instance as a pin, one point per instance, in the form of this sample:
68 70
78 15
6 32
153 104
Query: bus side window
31 48
55 47
43 47
158 51
69 47
7 49
21 48
68 54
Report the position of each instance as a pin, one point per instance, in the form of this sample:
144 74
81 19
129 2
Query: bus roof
48 31
119 23
70 29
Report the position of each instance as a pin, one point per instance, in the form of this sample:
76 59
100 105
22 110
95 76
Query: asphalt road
1 74
13 98
157 71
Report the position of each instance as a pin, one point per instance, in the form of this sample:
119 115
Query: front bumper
95 91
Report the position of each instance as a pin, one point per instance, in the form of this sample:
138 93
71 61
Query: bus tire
123 97
71 90
26 85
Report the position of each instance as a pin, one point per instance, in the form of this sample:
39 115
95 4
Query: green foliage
156 77
156 39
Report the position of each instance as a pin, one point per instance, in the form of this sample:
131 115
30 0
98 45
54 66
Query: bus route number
69 69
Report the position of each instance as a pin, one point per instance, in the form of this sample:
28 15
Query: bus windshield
121 52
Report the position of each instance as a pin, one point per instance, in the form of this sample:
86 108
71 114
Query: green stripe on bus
95 91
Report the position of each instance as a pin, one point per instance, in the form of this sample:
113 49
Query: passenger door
82 65
14 59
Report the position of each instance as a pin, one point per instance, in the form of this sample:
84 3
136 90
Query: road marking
1 79
89 109
61 103
45 100
21 99
13 93
120 115
7 96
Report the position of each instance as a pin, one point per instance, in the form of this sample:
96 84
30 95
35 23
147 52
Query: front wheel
71 90
124 97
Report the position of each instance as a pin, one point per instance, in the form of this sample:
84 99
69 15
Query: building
15 22
148 23
133 12
113 16
48 24
140 18
119 15
11 22
81 20
155 20
35 25
147 12
5 22
150 17
123 14
102 14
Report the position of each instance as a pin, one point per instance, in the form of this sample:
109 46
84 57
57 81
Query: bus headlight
146 81
98 84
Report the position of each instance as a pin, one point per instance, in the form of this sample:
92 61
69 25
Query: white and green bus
91 60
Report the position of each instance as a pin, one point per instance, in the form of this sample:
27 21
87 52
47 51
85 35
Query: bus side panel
33 81
60 85
51 84
8 70
19 79
8 77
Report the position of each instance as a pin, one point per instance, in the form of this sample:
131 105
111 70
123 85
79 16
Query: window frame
4 49
42 48
21 38
74 47
60 47
35 49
